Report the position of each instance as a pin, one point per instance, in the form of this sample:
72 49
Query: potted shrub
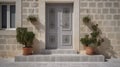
85 41
26 39
32 18
93 40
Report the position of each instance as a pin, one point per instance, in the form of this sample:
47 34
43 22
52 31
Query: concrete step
59 64
60 58
7 60
58 51
114 60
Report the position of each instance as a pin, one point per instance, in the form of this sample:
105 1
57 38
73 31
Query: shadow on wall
106 49
38 26
37 46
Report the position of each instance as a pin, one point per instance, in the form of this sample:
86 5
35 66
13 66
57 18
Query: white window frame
17 19
8 15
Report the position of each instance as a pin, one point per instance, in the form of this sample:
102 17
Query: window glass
12 16
4 16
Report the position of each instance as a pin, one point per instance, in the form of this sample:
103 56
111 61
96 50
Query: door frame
76 21
58 28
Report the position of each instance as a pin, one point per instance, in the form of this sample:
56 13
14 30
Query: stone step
59 64
114 60
7 60
58 51
60 58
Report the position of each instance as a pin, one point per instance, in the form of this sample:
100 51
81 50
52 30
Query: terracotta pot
84 47
89 50
27 51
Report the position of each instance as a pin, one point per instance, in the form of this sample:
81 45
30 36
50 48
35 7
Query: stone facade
107 14
104 12
8 44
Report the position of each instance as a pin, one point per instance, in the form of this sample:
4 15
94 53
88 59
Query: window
7 15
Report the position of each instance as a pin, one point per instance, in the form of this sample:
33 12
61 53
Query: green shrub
86 19
94 39
24 37
32 18
86 40
95 34
95 27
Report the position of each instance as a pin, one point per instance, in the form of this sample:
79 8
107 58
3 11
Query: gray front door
59 26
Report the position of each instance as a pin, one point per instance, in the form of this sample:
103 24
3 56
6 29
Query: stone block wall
8 44
106 13
29 7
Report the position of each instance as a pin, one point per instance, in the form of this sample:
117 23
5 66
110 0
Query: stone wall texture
106 13
8 44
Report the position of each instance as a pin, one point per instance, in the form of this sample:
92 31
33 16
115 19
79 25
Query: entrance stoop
60 58
59 55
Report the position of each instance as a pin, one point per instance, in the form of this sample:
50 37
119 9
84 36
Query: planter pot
84 47
27 51
89 50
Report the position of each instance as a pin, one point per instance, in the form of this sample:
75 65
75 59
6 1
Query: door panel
59 26
51 28
66 19
66 27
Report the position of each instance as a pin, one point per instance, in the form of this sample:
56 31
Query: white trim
18 14
59 1
10 29
7 0
18 10
76 26
8 16
42 38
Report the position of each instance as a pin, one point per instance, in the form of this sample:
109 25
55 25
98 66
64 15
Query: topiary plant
94 40
32 18
24 37
20 35
95 27
29 37
86 40
86 19
95 34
